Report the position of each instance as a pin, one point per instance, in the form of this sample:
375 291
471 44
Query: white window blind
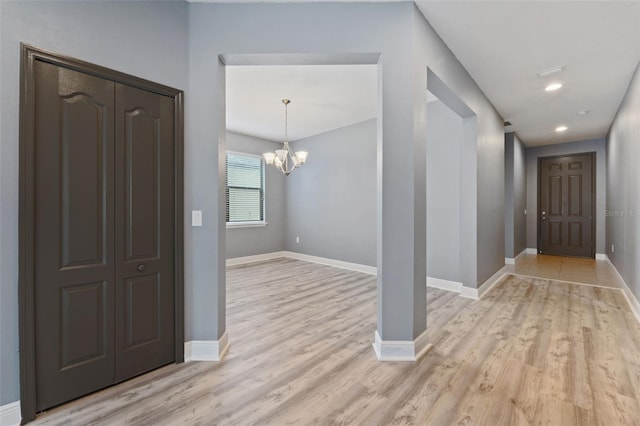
245 188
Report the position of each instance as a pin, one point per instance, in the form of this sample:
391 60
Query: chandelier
285 159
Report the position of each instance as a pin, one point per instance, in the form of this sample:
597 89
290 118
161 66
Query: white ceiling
323 98
502 44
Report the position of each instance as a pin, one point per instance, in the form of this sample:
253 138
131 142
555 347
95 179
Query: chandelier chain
286 103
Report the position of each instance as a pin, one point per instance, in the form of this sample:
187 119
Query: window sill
231 225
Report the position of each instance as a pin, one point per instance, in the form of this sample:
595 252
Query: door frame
26 284
593 156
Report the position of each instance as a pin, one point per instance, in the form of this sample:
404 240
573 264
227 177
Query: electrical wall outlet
297 239
613 248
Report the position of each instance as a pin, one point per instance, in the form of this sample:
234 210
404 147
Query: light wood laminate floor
532 351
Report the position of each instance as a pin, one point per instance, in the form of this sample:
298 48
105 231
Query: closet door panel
74 226
145 198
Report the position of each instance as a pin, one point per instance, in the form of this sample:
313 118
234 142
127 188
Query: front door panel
565 215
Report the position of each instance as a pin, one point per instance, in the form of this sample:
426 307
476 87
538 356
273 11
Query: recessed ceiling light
561 129
585 112
553 86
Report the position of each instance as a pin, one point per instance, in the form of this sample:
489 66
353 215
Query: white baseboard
531 250
628 294
485 287
255 258
371 270
400 350
206 350
633 302
10 414
488 285
366 269
447 285
470 293
601 256
513 260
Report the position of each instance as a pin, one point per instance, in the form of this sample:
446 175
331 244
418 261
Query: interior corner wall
623 187
482 249
509 204
332 198
591 145
145 39
515 196
519 196
249 241
444 144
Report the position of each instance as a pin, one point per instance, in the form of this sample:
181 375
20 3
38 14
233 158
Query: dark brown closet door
144 224
74 250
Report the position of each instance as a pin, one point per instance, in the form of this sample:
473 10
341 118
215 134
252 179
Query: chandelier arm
289 150
290 156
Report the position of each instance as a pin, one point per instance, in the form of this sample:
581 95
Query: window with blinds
245 188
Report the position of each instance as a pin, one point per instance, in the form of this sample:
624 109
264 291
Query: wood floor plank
526 399
532 351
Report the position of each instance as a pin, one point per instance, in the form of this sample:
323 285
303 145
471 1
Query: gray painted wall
591 145
262 239
444 141
146 39
407 46
623 187
332 198
179 44
319 28
217 29
515 192
482 172
508 195
520 196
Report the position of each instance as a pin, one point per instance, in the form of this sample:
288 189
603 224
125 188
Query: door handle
142 267
544 215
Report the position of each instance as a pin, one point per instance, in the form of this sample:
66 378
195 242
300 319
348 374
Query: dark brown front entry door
104 210
565 212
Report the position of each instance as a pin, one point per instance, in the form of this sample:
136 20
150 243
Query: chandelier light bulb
302 156
269 157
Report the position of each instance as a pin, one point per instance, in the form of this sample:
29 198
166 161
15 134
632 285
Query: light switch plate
196 218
